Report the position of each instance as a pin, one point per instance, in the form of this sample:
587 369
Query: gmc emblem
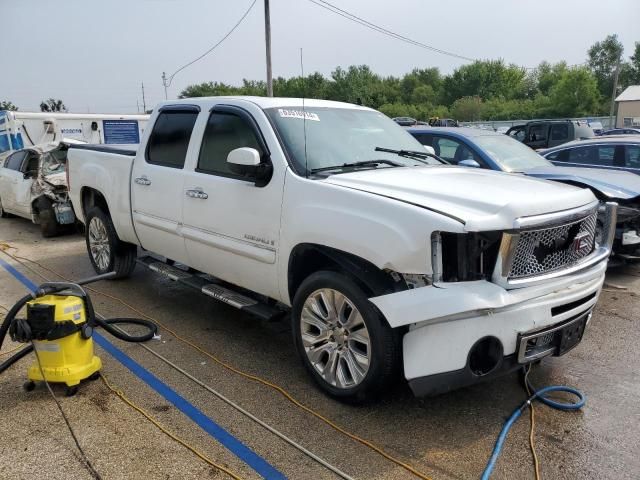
581 242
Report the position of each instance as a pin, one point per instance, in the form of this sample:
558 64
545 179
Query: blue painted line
244 453
19 276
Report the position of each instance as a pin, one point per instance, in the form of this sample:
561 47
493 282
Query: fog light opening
485 356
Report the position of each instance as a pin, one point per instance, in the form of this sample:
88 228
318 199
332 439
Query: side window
424 138
169 138
538 133
561 156
445 148
14 162
32 163
559 131
606 155
593 155
632 156
224 132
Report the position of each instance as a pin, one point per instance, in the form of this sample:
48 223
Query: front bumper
446 321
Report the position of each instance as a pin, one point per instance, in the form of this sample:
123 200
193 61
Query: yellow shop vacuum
59 325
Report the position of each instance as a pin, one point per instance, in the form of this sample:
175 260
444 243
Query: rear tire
106 251
342 339
3 213
47 216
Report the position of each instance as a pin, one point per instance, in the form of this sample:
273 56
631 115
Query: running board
213 288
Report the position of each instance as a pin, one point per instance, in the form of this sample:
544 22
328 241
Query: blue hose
538 395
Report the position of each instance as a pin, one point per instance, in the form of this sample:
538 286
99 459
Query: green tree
7 105
630 71
576 94
603 58
547 75
468 109
52 105
485 79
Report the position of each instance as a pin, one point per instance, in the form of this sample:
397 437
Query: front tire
106 251
47 218
342 339
3 212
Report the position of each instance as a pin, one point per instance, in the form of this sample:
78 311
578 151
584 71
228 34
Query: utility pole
613 94
164 82
267 38
144 103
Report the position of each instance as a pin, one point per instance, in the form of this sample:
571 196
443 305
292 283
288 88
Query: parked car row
386 257
490 150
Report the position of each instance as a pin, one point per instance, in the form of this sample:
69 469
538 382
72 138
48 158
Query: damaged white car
33 185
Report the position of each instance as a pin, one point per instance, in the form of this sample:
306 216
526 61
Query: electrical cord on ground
162 428
255 378
85 460
206 387
532 416
540 395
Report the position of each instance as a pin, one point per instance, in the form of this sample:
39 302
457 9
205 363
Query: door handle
197 194
142 180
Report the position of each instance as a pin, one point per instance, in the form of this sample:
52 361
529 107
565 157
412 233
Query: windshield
338 136
54 161
510 154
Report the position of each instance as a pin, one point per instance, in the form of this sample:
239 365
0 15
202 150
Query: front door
231 226
156 182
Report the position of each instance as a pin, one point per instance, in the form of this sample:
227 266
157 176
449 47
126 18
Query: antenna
304 116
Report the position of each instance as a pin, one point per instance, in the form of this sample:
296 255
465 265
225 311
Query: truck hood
613 184
480 199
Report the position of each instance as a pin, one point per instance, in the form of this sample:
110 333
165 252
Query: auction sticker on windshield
301 114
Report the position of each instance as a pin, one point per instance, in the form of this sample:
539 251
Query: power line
168 81
354 18
365 23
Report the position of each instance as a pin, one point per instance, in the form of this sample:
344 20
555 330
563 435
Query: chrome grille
549 249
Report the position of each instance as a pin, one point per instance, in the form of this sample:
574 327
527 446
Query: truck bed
103 170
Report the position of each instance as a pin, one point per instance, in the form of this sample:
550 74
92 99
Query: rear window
170 137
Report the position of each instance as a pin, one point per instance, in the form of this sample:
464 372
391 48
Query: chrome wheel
335 338
99 244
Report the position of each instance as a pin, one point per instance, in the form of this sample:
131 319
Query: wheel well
307 258
93 198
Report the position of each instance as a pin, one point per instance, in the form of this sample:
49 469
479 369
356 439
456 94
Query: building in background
628 103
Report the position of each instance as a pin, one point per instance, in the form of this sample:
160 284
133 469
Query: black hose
106 324
4 328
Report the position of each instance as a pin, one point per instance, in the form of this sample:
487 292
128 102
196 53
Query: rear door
10 175
156 182
231 225
558 134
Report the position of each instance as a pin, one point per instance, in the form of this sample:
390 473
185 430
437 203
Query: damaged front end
51 183
627 241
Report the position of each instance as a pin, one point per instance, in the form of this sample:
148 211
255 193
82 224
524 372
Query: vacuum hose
538 395
92 319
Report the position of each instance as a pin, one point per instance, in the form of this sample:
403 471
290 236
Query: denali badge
581 242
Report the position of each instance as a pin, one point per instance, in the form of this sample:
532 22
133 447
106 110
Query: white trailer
25 129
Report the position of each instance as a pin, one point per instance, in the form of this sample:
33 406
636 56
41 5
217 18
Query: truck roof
265 102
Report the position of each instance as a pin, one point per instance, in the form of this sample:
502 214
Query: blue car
622 131
476 148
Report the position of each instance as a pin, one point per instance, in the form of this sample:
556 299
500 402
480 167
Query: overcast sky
95 55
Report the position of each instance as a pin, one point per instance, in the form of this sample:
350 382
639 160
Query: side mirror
430 149
29 174
246 161
469 163
245 157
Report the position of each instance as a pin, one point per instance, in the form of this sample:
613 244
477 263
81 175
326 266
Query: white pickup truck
382 255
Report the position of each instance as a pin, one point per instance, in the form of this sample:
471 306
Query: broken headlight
462 257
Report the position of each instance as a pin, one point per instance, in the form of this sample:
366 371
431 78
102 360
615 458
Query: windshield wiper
363 163
421 156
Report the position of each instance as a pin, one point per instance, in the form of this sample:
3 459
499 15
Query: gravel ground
448 437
